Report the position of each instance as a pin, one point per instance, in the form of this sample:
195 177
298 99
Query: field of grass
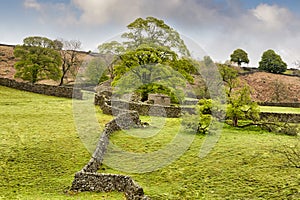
279 109
41 151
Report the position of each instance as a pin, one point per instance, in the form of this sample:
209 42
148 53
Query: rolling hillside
266 87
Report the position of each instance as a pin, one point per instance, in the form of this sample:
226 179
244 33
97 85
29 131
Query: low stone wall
281 117
114 107
89 180
59 91
291 104
144 109
96 182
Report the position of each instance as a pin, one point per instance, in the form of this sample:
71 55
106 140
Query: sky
216 26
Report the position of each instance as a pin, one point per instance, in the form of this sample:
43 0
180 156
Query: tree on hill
239 56
38 59
70 57
272 62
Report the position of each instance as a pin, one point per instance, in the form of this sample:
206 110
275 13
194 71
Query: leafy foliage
148 43
152 78
240 106
38 60
142 56
111 51
154 32
209 77
272 62
239 56
96 68
146 89
197 123
229 76
207 111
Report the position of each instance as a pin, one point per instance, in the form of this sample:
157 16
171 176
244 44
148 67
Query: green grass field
276 109
41 151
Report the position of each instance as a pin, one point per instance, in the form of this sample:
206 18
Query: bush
197 123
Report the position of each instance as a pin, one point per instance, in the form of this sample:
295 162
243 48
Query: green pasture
275 109
41 151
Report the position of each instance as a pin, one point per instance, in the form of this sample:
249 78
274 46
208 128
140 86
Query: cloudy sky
217 26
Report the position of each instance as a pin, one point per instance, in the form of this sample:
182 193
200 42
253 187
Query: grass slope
41 151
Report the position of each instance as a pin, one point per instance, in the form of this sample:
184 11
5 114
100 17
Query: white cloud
97 12
32 4
272 16
219 27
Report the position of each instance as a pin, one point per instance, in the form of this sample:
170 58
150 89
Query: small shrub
197 123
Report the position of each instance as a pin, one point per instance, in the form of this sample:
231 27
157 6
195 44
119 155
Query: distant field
279 109
41 151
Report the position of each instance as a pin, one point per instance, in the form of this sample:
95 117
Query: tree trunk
62 80
235 121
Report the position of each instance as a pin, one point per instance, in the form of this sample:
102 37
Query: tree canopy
239 56
38 60
272 62
149 43
154 32
153 70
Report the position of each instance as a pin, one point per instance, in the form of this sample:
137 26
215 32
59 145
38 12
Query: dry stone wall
51 90
281 117
113 107
96 182
89 180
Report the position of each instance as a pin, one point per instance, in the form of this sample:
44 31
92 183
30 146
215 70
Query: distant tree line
270 61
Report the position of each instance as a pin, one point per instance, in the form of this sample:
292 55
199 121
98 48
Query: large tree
153 70
38 59
95 72
154 32
272 62
239 56
149 42
111 52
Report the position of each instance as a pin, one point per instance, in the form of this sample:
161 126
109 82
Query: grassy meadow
41 151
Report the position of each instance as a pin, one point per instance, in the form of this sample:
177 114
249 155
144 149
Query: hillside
266 87
7 61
